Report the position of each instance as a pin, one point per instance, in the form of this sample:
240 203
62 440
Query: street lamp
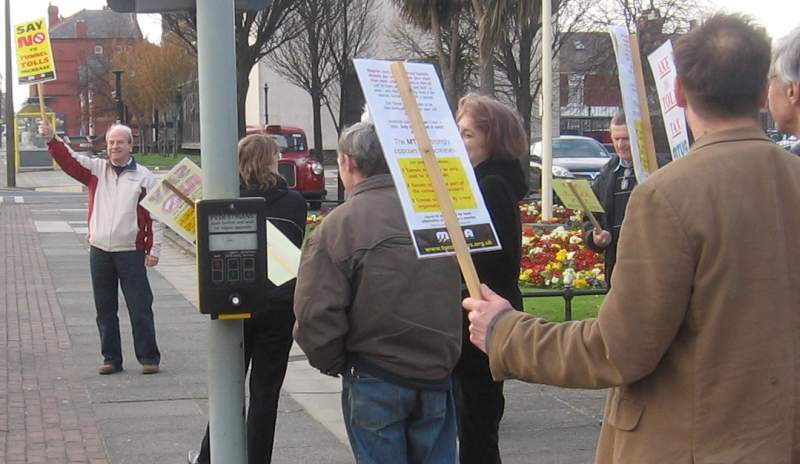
266 104
118 96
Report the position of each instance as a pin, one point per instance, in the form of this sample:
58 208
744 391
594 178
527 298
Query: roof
100 24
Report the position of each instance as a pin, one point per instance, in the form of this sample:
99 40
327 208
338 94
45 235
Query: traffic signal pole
219 158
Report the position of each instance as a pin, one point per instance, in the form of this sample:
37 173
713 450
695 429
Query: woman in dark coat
495 142
268 334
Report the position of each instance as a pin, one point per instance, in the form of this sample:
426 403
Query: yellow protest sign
584 192
423 198
34 56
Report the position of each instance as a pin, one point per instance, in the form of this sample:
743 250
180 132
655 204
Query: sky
778 16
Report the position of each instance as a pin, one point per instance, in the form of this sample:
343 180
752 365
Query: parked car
302 172
573 157
787 142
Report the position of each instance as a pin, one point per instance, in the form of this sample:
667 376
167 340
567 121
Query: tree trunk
485 51
316 103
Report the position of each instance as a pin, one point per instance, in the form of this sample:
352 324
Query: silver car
573 157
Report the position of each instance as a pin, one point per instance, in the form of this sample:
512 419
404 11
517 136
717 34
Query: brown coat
700 334
363 293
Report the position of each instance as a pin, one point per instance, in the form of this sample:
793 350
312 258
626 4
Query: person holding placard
388 323
268 333
698 337
784 86
124 240
612 187
495 141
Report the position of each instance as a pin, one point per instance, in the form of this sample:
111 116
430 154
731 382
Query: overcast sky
778 16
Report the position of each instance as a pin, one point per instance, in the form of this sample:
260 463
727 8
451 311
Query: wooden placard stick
180 194
584 207
645 132
40 91
435 174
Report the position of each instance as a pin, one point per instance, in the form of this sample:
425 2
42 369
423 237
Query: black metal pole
11 141
568 303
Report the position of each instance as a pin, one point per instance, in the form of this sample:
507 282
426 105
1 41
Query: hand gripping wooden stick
435 174
583 206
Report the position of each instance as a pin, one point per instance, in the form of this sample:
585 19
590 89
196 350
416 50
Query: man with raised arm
124 241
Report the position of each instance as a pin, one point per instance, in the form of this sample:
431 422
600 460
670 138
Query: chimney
52 16
80 29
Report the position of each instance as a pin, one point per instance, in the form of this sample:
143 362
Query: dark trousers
267 341
479 407
126 269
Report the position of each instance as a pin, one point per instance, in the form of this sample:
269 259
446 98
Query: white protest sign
283 257
630 102
662 63
420 206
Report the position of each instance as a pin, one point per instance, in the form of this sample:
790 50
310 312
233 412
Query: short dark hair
722 65
505 136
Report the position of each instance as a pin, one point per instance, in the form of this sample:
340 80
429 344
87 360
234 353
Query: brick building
84 45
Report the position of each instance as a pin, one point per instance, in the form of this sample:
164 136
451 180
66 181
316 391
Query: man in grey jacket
389 323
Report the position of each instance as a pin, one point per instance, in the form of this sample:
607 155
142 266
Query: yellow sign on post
34 56
578 195
572 198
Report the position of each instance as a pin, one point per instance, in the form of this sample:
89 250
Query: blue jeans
126 269
387 423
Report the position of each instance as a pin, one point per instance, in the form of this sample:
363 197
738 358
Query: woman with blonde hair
495 142
268 334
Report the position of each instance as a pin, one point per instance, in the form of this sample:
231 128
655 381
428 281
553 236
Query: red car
301 171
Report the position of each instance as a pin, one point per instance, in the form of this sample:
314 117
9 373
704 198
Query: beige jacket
700 334
116 220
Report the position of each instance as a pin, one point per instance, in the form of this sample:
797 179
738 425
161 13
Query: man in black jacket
613 188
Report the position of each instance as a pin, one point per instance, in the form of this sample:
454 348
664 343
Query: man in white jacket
124 240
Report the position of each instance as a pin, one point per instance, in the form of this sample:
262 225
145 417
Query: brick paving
45 412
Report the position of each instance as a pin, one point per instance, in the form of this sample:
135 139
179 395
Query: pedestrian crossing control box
231 256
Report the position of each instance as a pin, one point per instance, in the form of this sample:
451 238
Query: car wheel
315 204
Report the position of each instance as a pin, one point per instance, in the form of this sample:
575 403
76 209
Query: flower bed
551 250
549 255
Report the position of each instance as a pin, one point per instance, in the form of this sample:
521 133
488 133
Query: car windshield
577 148
290 142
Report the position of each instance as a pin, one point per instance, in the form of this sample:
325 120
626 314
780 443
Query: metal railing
568 293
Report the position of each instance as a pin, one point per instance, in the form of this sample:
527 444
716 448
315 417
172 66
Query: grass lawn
163 160
552 307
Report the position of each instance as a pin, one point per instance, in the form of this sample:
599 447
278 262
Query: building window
98 49
575 98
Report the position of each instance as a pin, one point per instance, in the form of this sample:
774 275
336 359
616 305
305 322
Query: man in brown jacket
389 323
699 337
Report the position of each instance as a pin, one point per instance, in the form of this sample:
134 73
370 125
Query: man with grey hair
784 86
388 323
124 241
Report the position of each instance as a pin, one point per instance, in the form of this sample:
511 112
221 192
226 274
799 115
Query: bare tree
306 59
153 74
351 34
257 34
518 53
442 18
